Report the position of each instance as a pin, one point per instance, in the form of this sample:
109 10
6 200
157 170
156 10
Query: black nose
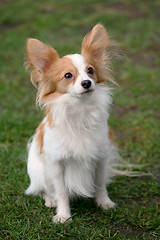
86 84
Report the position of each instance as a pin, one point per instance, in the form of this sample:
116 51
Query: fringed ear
96 42
95 46
39 55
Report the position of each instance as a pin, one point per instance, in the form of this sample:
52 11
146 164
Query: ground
135 116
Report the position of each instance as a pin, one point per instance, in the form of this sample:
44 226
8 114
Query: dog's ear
95 43
96 47
39 55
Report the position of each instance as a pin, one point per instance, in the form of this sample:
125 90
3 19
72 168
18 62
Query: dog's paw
61 219
49 202
106 204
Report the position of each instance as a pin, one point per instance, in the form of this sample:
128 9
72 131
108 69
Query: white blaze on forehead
78 61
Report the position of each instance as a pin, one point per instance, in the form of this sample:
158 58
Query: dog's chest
80 130
62 144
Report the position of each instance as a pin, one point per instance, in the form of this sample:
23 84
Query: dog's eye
68 75
90 70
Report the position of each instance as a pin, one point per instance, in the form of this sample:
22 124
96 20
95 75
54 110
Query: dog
72 153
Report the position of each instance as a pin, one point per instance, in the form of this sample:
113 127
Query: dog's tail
118 166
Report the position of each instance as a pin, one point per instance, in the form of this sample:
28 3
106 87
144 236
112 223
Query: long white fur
77 153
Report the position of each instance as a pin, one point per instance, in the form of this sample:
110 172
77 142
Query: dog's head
75 74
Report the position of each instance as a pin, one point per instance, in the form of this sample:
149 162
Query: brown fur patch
48 70
47 110
49 117
40 135
94 49
111 134
50 120
54 84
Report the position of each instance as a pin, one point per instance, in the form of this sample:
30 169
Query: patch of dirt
154 201
155 47
131 11
7 1
134 233
48 9
149 61
121 111
128 232
6 25
157 115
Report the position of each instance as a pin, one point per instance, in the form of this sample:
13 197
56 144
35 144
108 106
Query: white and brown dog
71 152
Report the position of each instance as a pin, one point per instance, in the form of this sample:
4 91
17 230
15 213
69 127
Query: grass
135 116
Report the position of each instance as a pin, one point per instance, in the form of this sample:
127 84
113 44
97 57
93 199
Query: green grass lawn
135 116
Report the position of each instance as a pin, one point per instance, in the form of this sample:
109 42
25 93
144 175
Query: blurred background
135 115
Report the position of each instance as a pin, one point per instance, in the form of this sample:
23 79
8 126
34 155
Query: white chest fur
79 138
80 126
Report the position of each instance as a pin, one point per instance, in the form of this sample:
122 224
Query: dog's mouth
88 91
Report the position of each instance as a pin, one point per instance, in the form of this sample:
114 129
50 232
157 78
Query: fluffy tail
120 167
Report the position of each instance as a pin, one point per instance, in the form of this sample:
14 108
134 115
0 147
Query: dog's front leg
102 198
55 172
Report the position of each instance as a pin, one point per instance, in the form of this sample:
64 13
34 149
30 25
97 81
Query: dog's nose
86 84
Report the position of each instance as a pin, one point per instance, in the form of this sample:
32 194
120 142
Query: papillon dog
72 153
